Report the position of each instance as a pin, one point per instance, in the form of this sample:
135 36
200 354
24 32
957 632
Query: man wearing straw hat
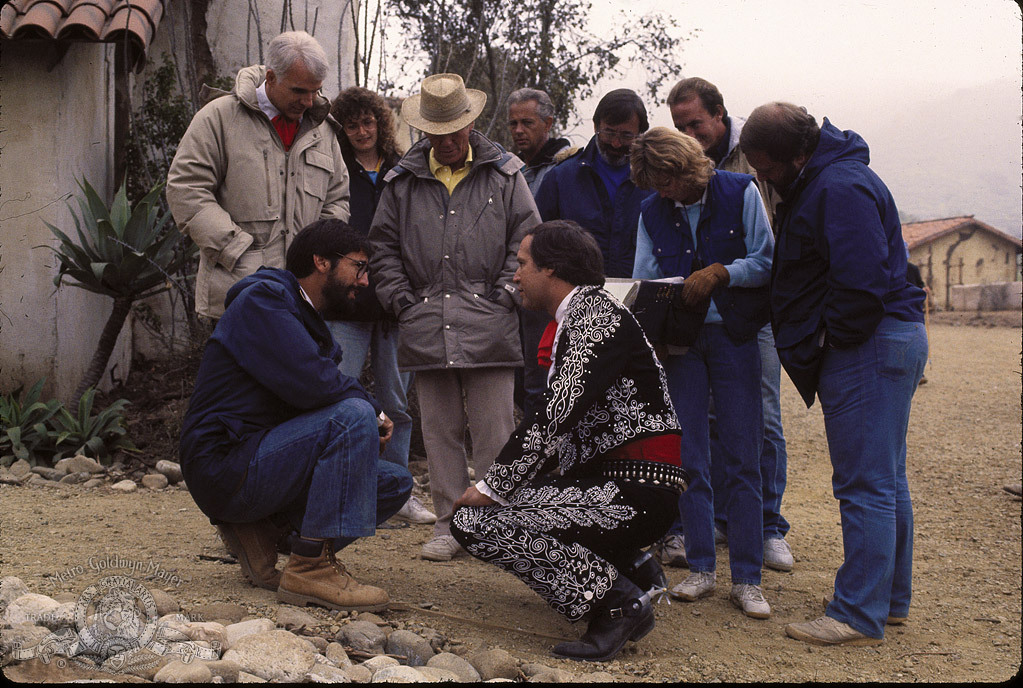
444 242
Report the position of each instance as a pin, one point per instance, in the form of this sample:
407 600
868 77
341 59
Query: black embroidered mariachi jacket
607 389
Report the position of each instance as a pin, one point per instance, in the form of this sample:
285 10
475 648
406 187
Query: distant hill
957 154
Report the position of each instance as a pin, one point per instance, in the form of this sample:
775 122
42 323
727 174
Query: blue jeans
717 365
322 470
379 340
773 455
865 393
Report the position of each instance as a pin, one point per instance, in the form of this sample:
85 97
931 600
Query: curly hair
352 103
663 153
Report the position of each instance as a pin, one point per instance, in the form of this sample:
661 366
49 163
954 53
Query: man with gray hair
255 166
530 119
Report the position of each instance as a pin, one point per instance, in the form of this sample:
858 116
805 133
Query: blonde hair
662 154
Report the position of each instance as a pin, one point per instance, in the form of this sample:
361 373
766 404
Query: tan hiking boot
325 582
255 546
828 631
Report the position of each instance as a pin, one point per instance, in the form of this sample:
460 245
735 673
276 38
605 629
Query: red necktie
286 129
543 352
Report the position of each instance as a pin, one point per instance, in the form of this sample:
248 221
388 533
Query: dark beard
338 300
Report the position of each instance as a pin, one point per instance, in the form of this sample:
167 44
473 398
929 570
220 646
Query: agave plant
123 252
97 435
23 424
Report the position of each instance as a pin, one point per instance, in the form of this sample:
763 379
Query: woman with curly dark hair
370 149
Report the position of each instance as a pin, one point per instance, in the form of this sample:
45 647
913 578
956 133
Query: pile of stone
223 643
88 473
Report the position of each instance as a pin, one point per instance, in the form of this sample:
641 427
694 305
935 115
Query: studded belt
650 473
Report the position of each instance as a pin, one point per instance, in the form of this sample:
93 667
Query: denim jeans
322 470
773 455
379 340
717 365
865 393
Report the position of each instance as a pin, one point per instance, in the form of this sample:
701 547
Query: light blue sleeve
645 266
755 269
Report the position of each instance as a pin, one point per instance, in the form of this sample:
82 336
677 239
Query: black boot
646 572
625 614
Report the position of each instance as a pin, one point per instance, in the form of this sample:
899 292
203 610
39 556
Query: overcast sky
833 56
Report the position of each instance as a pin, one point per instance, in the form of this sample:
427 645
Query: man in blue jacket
849 330
593 187
276 437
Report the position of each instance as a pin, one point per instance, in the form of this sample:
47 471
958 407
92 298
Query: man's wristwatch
381 419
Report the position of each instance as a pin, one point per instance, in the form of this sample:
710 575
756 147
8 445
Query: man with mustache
277 438
593 187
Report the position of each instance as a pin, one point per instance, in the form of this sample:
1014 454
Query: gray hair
293 46
544 106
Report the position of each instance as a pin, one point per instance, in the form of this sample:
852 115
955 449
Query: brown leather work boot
255 546
325 582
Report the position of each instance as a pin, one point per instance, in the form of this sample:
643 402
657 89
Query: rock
124 486
246 677
225 669
237 631
47 472
596 677
275 655
207 631
93 482
22 636
495 663
375 664
61 617
370 616
414 648
398 674
433 637
177 671
75 478
7 477
326 673
549 675
79 464
165 604
292 617
335 652
465 671
434 675
214 611
63 597
36 479
31 608
358 673
11 588
363 635
155 481
20 469
319 643
170 469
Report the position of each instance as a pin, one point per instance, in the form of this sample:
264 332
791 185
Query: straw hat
443 106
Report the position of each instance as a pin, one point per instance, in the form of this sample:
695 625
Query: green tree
122 252
498 47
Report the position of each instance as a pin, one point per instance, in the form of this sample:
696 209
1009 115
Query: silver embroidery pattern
568 576
599 315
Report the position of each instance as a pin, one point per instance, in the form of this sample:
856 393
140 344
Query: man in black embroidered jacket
608 423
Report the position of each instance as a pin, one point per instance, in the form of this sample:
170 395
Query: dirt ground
964 625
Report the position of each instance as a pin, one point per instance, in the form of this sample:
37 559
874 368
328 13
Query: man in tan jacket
255 166
444 240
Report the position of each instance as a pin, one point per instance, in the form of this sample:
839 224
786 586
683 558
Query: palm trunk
105 346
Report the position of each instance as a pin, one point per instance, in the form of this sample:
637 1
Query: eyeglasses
609 135
366 123
363 265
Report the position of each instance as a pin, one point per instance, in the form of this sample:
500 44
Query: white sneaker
750 599
673 551
694 587
414 512
441 548
777 554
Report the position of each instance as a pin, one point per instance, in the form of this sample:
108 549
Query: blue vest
721 240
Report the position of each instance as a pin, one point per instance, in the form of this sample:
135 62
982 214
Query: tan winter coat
453 258
240 197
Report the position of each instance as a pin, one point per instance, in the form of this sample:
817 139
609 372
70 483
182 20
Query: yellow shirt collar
445 175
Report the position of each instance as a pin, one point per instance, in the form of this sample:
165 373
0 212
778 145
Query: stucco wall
996 296
984 258
55 126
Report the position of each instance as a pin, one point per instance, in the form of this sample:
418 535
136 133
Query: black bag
661 313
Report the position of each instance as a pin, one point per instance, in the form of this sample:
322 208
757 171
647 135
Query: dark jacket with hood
840 261
270 359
